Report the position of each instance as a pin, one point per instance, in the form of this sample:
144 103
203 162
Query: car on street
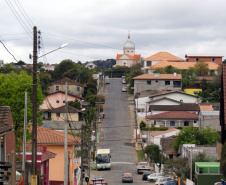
127 177
98 181
154 176
145 175
162 180
124 89
171 182
143 166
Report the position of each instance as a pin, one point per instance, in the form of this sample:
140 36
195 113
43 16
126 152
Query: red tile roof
174 115
62 110
163 55
64 80
135 57
180 107
171 92
160 77
51 137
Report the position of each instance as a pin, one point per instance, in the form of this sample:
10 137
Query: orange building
54 141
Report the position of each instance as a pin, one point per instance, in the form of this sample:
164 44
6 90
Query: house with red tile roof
161 56
73 87
56 100
157 81
54 142
204 57
173 119
213 67
167 147
128 58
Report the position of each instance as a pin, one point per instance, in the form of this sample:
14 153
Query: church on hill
128 58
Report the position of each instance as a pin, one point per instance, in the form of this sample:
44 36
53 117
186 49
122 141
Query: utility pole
34 105
24 134
82 168
65 141
191 153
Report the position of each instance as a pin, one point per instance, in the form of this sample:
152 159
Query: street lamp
62 46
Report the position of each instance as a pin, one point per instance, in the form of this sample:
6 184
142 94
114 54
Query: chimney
44 149
156 74
174 74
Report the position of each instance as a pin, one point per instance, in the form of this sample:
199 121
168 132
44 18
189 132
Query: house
73 87
8 142
58 114
128 58
54 142
206 58
192 89
155 137
167 147
48 67
56 100
210 119
160 56
157 81
90 65
213 67
43 157
173 119
207 78
207 173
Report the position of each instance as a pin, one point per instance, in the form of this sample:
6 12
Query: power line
8 51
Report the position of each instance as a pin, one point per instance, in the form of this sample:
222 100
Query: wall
191 91
71 117
141 85
72 89
210 120
156 139
218 60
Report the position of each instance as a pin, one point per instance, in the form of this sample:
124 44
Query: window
156 81
149 63
78 88
171 156
195 121
57 101
149 82
197 59
186 123
213 59
58 114
64 101
172 123
57 88
167 82
176 83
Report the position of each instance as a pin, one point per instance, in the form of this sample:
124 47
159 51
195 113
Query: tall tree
12 93
202 68
153 152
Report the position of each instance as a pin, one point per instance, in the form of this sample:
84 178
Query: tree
62 67
191 135
12 92
76 104
202 68
223 160
153 152
176 167
45 81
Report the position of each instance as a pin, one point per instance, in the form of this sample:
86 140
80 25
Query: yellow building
192 90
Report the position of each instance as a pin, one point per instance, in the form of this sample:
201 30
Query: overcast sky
98 29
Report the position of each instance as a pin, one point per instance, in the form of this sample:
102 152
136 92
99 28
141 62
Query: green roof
207 164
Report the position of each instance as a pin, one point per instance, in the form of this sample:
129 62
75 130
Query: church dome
129 44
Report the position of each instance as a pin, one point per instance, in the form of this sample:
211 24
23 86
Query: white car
162 180
154 176
124 89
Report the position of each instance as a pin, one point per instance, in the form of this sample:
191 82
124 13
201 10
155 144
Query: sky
98 29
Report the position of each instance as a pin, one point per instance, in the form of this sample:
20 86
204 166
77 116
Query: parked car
162 180
154 176
98 181
143 166
145 175
124 89
171 182
127 177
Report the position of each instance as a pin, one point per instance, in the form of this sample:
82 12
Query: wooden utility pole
65 141
34 105
24 134
82 168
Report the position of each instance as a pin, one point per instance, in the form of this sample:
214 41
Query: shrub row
154 128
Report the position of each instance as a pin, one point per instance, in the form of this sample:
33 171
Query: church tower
129 47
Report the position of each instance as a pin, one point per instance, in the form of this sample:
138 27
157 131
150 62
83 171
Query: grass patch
140 155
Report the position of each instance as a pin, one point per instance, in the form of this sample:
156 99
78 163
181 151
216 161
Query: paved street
117 134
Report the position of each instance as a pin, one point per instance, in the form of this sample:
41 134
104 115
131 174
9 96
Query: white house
90 65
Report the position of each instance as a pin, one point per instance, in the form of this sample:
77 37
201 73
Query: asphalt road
116 133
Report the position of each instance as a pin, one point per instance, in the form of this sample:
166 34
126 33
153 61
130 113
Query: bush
142 124
154 128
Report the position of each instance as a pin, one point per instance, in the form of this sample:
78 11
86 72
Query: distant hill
108 63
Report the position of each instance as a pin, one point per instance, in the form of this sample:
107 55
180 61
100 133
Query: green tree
76 104
153 152
191 135
202 68
12 93
62 68
45 81
176 167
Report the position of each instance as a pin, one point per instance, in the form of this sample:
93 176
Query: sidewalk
132 118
